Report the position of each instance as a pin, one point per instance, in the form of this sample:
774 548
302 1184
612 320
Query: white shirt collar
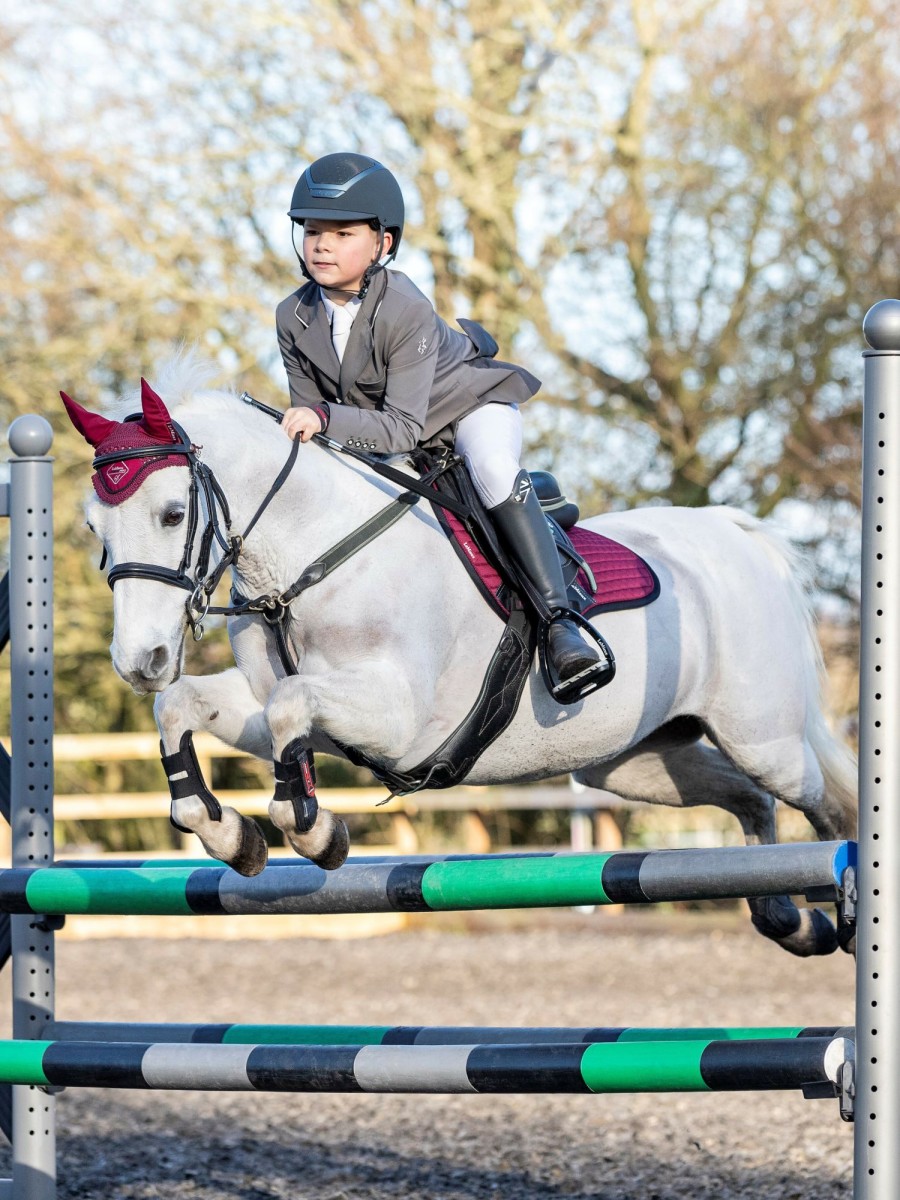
351 308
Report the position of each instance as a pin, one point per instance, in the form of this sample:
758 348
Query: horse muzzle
151 670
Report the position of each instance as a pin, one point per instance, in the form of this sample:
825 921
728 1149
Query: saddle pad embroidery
624 580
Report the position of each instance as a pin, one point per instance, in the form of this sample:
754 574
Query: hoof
806 933
335 853
338 848
253 852
825 933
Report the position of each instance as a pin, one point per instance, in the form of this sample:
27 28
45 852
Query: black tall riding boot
526 536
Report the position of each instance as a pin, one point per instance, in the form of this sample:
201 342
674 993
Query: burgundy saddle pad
623 579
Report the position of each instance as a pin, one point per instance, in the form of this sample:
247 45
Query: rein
273 607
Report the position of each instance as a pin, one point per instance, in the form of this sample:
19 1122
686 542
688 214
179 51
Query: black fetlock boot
526 536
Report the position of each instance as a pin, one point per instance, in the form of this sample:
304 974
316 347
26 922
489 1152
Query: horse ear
92 427
157 421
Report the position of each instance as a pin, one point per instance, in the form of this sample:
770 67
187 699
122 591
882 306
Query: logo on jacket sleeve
423 345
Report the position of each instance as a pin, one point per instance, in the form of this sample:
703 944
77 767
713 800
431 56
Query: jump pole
416 1035
438 885
595 1067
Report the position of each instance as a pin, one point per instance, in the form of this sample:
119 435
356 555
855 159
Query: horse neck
322 499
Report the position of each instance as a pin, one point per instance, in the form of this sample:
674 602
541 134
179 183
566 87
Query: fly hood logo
116 473
117 479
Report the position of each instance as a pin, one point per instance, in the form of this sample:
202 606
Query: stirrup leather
568 691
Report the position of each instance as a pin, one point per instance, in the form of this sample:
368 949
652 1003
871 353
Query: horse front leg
313 832
369 705
224 705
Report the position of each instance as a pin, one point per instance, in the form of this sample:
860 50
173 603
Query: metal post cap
30 436
881 325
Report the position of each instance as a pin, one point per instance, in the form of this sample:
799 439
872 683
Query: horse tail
836 761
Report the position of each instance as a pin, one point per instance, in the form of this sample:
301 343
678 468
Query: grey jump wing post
876 1168
31 807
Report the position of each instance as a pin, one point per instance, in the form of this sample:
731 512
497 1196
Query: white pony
716 700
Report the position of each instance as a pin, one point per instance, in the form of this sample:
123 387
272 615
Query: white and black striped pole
877 1108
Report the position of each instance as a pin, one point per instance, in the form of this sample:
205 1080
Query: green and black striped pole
415 1035
436 885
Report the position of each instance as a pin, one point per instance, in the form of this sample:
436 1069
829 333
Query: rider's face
337 253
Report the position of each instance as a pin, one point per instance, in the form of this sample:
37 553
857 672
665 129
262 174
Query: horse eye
173 516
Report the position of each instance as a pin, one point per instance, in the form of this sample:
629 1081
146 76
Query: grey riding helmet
350 187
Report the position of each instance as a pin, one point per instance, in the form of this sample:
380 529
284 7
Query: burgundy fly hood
117 479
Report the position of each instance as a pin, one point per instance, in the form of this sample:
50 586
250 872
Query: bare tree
676 214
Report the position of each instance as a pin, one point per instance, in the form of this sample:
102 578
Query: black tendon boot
526 535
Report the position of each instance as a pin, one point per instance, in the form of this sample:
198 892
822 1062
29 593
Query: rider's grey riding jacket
406 376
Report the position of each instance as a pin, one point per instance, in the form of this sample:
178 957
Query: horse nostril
155 662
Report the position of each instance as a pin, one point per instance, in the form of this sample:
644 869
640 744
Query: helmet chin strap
371 270
303 267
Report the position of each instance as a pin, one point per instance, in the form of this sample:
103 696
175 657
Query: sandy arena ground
562 968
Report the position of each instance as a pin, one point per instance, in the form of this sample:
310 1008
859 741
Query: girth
490 716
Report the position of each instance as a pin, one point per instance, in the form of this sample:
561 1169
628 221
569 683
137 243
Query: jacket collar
315 333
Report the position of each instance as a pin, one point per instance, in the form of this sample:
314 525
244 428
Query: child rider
370 361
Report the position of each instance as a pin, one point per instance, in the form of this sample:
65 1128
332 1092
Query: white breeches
490 441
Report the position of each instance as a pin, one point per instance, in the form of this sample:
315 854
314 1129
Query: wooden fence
591 818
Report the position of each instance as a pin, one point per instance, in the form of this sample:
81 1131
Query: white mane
181 379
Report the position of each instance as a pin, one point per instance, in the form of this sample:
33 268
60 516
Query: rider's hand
305 421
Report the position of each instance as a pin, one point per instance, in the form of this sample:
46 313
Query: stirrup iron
568 691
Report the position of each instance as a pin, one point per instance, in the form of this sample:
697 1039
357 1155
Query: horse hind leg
674 767
816 775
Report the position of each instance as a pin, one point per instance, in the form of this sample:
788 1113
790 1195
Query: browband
182 446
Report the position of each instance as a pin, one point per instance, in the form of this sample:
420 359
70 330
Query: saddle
601 575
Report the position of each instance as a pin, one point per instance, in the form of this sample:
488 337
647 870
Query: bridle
274 607
203 583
